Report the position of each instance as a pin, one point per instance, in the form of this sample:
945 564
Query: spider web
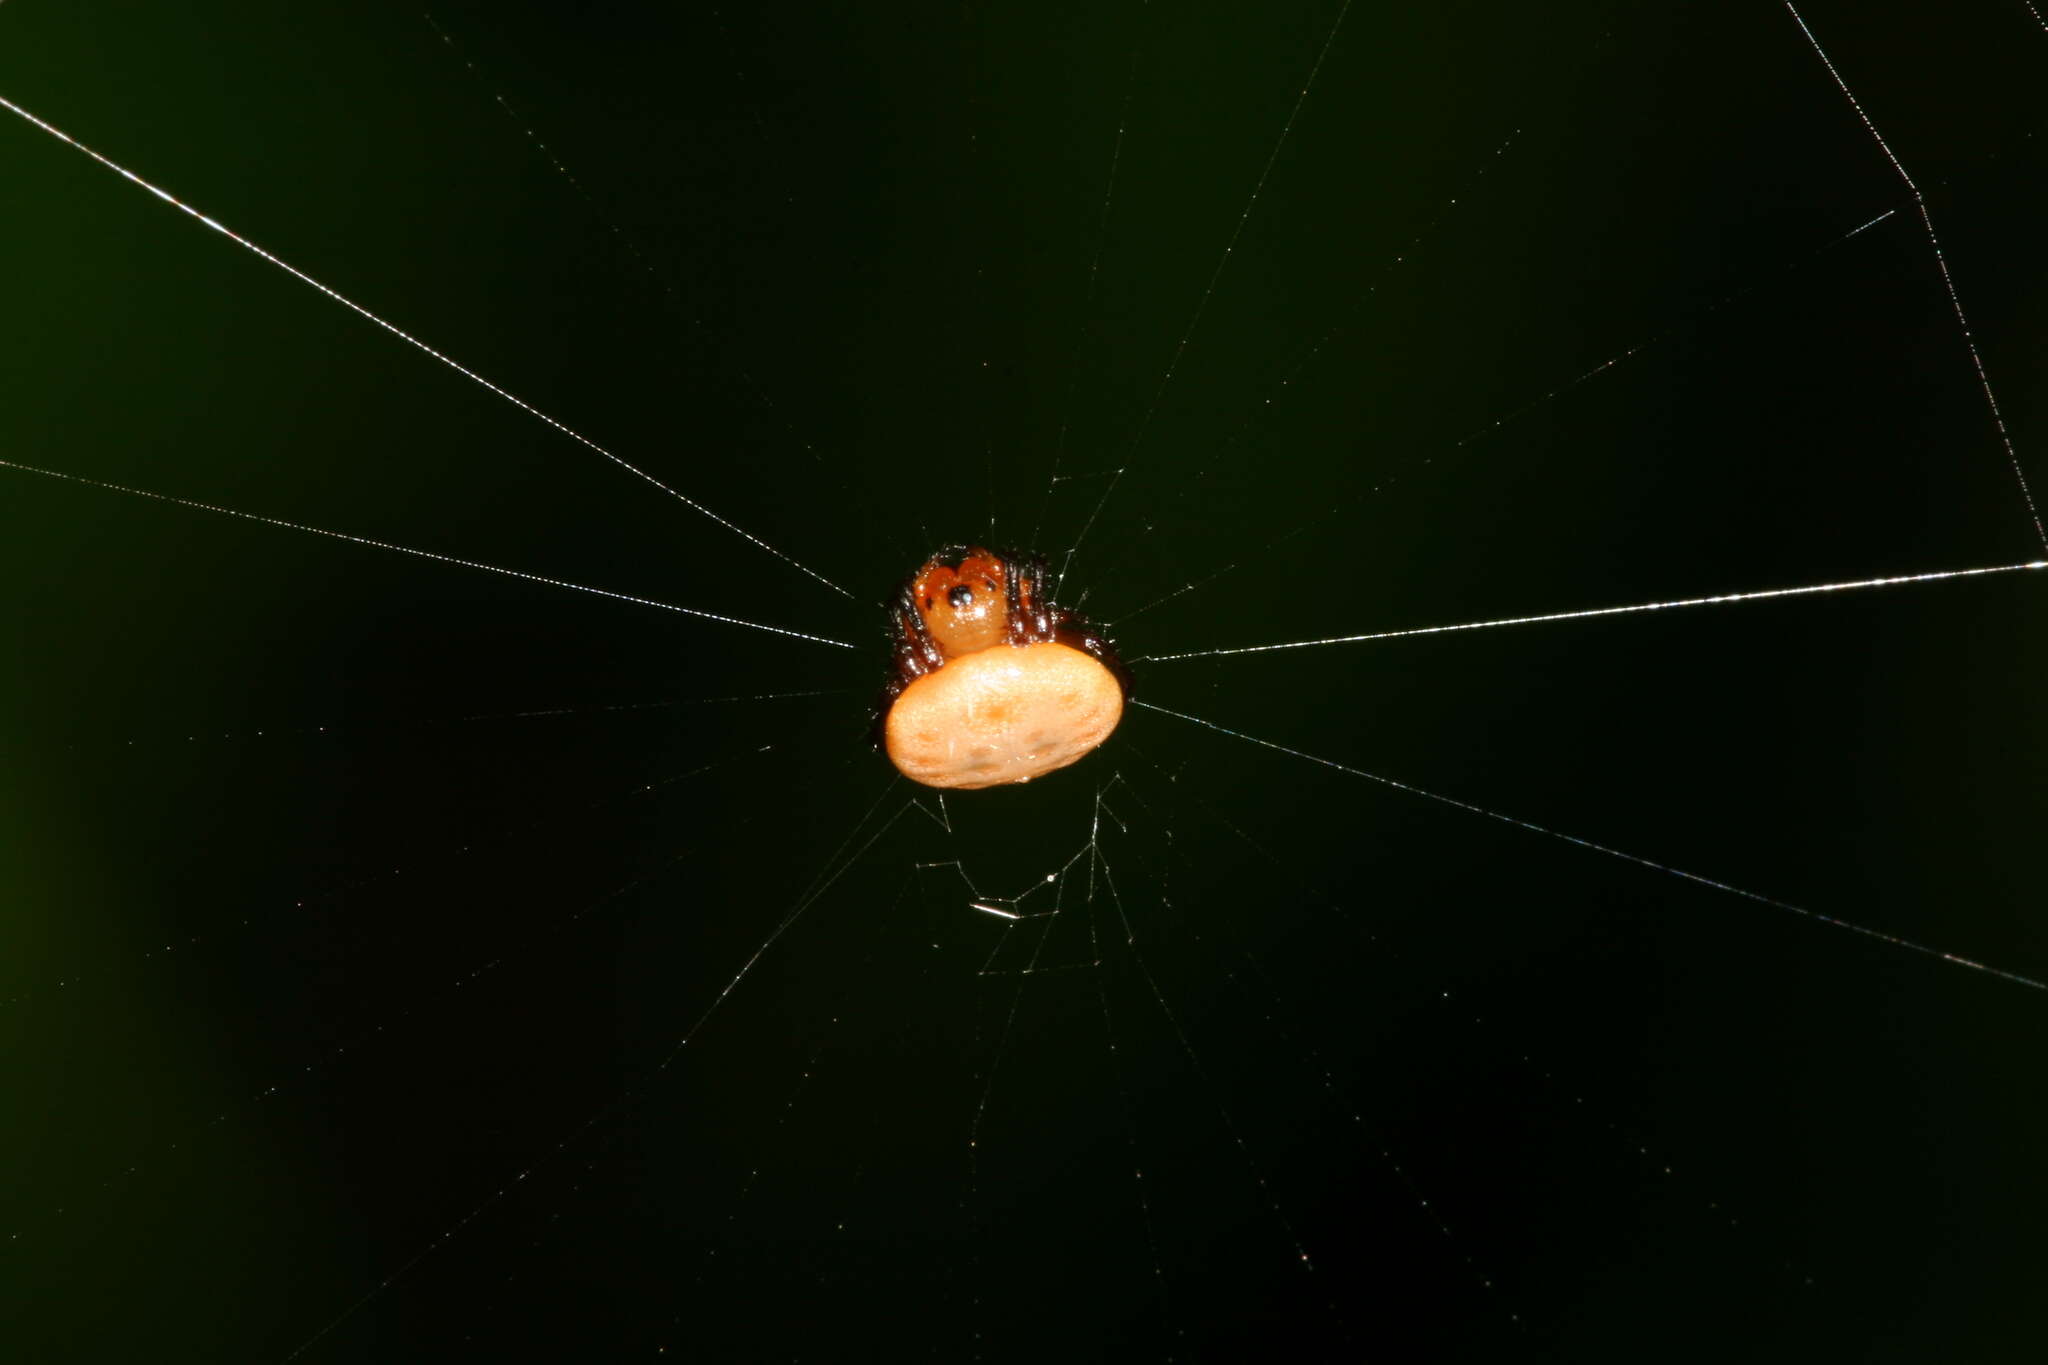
414 960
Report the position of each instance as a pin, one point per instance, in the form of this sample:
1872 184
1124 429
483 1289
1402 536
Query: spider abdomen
1002 715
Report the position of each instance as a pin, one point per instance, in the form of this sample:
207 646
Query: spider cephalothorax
991 682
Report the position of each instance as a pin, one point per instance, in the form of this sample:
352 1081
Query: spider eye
960 596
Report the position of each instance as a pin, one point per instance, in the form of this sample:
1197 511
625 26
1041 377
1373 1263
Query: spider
992 684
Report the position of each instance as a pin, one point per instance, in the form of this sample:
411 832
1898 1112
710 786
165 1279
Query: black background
344 993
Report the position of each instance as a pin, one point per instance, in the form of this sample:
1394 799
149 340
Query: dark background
342 993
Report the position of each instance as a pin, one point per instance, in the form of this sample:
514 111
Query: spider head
966 596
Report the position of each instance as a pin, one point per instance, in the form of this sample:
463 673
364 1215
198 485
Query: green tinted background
308 925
